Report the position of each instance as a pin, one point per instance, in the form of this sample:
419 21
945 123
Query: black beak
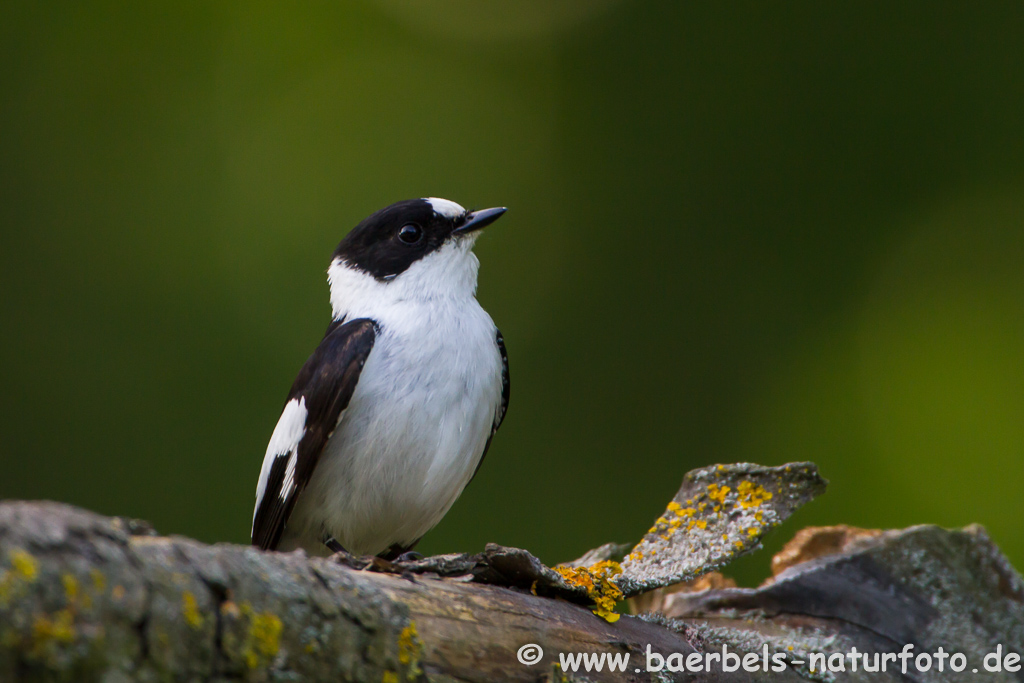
479 219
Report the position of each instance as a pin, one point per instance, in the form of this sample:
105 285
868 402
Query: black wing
506 391
313 409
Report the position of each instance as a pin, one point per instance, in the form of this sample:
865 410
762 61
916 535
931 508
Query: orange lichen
597 581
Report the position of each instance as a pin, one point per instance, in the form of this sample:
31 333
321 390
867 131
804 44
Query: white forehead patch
444 207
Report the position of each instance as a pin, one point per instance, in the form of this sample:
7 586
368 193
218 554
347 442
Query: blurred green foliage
737 232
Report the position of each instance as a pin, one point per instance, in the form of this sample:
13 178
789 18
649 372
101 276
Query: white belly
411 437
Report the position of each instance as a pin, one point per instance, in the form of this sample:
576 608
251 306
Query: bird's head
413 249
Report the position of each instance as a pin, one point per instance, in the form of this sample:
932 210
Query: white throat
444 275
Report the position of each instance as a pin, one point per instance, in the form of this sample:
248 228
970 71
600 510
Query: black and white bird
391 416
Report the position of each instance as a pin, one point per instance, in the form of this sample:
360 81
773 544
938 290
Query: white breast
415 428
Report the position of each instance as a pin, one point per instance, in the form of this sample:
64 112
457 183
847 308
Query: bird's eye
410 233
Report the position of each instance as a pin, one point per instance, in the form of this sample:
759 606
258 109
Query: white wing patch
290 429
445 207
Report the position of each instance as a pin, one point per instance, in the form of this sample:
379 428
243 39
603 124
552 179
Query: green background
737 232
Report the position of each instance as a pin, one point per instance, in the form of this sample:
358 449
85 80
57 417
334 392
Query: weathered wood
84 600
90 598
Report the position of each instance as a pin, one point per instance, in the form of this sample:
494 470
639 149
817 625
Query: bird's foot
373 563
379 564
410 556
365 563
347 559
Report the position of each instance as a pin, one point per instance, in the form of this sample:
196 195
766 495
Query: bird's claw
409 556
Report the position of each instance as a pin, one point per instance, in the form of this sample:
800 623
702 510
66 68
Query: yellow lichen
263 641
597 581
59 629
190 610
24 570
752 495
70 587
25 566
664 527
410 649
389 677
99 581
718 493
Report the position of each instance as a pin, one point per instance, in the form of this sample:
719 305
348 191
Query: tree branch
85 597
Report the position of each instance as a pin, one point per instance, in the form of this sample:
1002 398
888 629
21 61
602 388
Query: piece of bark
818 541
925 586
660 600
720 513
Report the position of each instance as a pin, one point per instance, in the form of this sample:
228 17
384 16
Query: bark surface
90 598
